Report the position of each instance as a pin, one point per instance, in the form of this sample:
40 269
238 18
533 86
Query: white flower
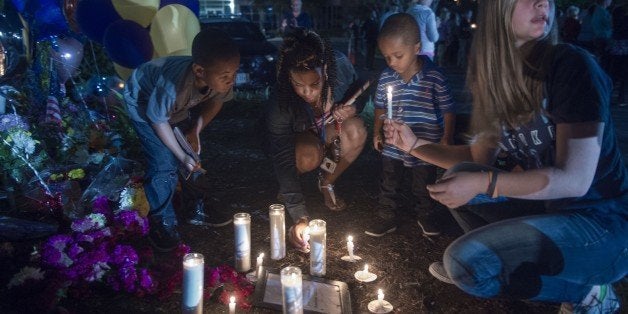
22 142
99 220
126 198
25 274
98 271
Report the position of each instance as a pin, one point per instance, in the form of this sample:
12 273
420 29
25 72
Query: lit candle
242 235
292 290
276 212
380 297
318 243
193 264
389 103
259 263
366 269
350 247
232 305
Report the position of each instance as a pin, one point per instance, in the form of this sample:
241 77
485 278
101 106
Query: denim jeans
393 171
555 257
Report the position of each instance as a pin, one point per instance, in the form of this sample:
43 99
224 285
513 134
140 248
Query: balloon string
91 45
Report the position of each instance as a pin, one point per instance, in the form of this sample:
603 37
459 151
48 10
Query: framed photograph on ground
320 295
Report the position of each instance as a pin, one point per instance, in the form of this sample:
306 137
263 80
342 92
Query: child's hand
296 237
194 140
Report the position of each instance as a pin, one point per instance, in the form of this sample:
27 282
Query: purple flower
53 251
131 221
124 255
101 205
146 280
10 121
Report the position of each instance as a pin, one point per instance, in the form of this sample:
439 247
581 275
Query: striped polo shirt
421 103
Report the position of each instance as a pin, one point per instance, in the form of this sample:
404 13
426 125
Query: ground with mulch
243 181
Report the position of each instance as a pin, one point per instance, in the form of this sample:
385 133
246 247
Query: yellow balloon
123 72
139 11
173 29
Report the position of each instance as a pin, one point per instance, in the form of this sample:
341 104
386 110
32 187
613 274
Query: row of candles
291 280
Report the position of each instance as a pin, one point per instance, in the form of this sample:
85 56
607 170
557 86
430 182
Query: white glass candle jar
193 274
277 215
318 247
242 235
291 290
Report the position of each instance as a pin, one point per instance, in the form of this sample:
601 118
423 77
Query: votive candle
242 235
318 244
232 305
193 273
259 263
292 290
350 247
276 212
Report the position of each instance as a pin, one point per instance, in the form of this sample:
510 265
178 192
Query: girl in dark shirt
557 231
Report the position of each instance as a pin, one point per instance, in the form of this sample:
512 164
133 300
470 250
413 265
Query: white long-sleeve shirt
426 19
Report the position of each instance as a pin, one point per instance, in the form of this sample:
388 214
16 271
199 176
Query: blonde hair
506 82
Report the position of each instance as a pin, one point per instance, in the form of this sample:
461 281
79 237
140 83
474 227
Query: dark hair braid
304 50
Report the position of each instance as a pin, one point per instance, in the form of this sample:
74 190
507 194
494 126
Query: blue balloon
94 16
193 5
128 43
48 19
20 5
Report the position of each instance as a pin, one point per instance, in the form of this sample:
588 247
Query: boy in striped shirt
421 99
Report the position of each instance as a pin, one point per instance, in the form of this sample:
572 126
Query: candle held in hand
389 97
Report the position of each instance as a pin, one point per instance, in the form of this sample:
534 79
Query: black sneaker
380 227
206 215
163 237
427 228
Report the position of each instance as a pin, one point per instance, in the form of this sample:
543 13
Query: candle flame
350 238
261 255
390 88
366 268
232 299
380 292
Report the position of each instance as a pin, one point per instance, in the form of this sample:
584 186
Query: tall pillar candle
193 273
277 215
291 290
242 235
389 113
318 247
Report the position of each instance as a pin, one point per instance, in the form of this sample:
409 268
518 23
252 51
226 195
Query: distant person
393 8
570 28
446 29
420 98
296 18
428 27
309 128
556 231
465 35
619 53
185 92
596 31
370 29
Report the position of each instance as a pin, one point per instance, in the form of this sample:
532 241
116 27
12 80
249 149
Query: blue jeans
555 257
160 180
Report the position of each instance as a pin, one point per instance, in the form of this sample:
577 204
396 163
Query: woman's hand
295 236
193 138
191 164
343 112
378 143
399 135
458 188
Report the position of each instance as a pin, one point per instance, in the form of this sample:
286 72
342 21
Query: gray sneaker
437 269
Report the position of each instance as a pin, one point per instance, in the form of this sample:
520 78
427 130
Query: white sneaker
437 269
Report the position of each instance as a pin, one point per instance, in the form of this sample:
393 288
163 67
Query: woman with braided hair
308 127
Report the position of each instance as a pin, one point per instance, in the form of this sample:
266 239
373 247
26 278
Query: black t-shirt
577 90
